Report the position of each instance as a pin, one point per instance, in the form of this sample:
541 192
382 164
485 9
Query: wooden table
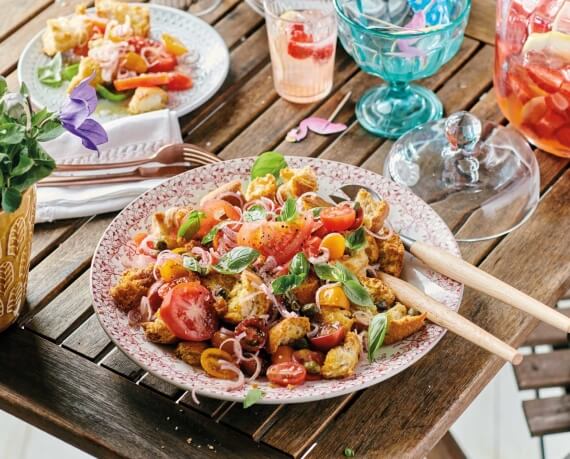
60 372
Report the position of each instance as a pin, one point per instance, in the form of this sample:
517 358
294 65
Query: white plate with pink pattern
407 213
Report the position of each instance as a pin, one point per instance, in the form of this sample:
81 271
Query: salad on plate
113 43
268 280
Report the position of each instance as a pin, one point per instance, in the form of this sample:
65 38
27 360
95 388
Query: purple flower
74 115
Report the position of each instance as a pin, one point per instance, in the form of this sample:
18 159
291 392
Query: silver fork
167 154
464 272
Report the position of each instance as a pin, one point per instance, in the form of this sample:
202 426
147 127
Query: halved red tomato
188 312
312 361
286 373
329 336
282 354
254 333
358 220
312 246
282 240
179 82
338 218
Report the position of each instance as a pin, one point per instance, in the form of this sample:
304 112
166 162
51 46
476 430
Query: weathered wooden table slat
61 372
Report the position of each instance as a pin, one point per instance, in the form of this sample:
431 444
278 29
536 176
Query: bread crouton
371 249
246 300
401 325
131 287
65 33
220 286
297 181
341 361
147 100
87 66
305 293
391 260
357 262
138 15
331 315
190 352
287 331
378 290
375 212
158 332
261 187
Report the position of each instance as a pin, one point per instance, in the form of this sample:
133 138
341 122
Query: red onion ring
314 330
280 307
194 397
323 257
144 248
258 368
141 314
205 256
231 194
162 257
224 365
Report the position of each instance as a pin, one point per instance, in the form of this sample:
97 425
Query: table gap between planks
61 372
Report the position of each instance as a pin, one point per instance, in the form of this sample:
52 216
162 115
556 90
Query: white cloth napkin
131 137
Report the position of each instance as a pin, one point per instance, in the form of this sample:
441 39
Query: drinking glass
302 43
398 54
532 70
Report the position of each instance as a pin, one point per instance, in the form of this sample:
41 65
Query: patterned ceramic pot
16 231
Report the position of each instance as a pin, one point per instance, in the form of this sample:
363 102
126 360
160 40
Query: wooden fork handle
449 319
458 269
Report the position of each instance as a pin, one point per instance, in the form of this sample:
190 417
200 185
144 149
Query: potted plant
23 162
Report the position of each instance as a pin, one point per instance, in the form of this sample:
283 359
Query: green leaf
110 95
50 130
39 117
283 284
255 213
209 237
69 71
12 134
269 162
325 271
11 199
348 452
191 264
235 261
376 334
299 265
252 397
288 211
50 74
343 274
24 91
356 239
357 294
317 211
191 225
3 86
24 165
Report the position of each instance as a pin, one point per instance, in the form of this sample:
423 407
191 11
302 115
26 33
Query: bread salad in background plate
268 280
113 42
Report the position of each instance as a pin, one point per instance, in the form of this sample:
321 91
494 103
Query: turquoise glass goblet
399 55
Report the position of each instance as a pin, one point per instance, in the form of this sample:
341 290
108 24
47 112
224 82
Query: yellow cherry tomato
171 269
173 45
135 62
335 243
334 296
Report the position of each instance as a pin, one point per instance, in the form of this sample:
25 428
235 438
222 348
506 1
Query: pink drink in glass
302 43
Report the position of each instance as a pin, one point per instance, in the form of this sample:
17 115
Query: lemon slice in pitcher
550 43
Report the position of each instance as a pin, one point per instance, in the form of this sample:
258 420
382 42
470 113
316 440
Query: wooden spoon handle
448 318
458 269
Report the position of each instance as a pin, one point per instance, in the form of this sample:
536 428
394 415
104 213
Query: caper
309 310
312 367
161 245
382 305
221 292
301 343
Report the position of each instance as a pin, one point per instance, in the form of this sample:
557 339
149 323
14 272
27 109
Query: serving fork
458 269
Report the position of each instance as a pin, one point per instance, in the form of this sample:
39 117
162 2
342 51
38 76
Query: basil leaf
252 397
317 211
69 71
349 452
356 239
235 261
12 134
288 211
255 213
376 334
25 163
283 284
342 273
299 265
357 294
191 264
325 272
191 225
50 74
269 162
209 237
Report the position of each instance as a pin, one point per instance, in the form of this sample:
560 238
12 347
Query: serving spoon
458 269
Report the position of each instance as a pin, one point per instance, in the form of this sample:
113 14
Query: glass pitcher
532 70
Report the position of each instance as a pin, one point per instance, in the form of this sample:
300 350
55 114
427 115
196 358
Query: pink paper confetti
317 125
